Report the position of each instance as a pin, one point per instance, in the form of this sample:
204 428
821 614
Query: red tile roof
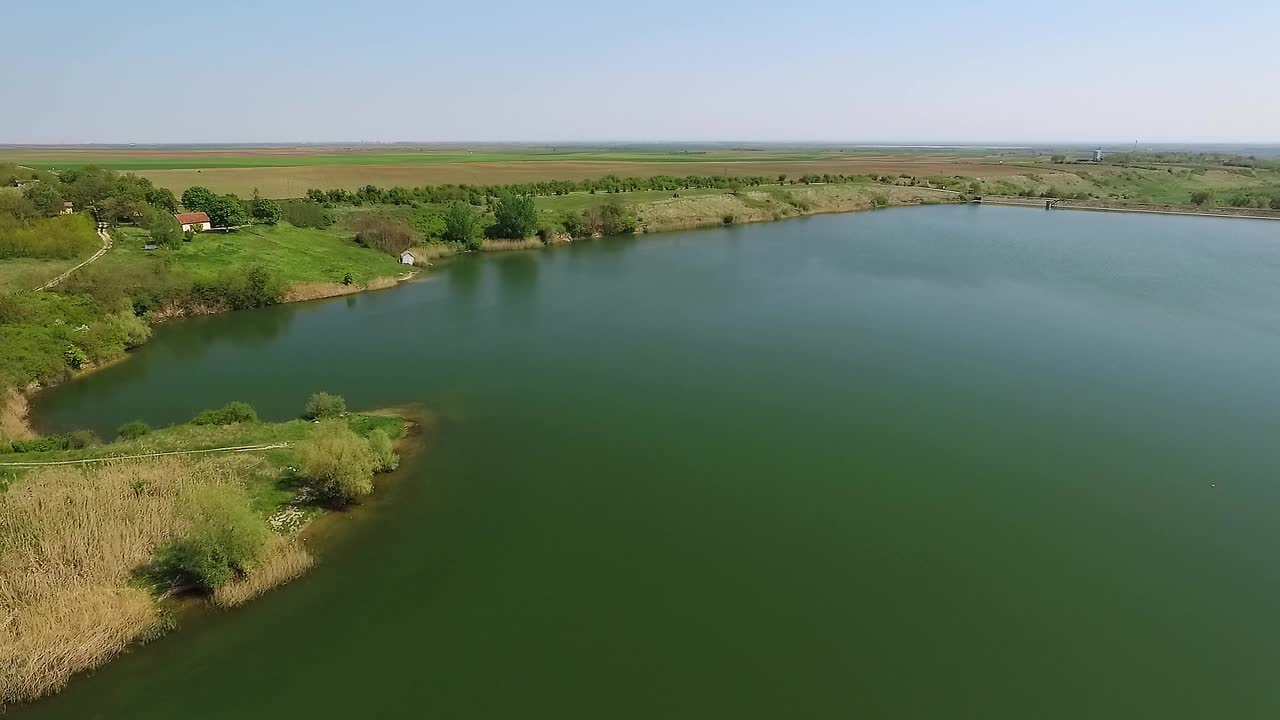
188 218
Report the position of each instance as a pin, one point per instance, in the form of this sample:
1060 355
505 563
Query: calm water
945 462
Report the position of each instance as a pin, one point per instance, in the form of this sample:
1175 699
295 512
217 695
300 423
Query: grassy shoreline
85 573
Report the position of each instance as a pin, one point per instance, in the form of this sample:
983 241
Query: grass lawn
28 273
267 491
582 200
297 254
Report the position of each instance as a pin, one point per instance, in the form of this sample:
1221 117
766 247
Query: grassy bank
93 555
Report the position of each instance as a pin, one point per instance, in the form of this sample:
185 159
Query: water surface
943 462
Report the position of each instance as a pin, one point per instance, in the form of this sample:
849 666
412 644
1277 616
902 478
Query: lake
937 462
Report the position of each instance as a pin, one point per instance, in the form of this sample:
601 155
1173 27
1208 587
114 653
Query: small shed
196 221
67 208
406 258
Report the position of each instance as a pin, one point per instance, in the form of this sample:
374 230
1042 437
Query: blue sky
285 71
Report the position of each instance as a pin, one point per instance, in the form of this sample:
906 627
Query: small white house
1097 155
67 208
197 221
406 258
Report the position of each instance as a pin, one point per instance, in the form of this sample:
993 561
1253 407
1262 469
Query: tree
617 218
133 430
163 199
225 211
461 225
324 406
226 538
337 463
264 211
515 217
44 197
1058 159
165 231
384 456
1200 197
197 199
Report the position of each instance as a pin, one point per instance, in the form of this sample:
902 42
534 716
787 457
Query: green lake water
940 462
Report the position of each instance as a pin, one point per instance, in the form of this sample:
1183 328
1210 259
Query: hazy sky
283 71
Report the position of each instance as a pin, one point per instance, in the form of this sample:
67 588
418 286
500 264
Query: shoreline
306 292
1236 213
137 608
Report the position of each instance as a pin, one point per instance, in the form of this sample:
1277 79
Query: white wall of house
198 227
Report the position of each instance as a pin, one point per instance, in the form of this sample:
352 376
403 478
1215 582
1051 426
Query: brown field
284 182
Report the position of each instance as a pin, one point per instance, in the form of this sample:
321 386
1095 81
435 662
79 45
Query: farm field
290 171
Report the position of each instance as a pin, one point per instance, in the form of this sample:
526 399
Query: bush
79 439
324 406
728 219
381 232
573 224
879 200
305 213
233 412
384 456
133 430
337 464
75 357
225 539
1201 197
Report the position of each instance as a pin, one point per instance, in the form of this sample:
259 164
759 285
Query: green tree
226 538
165 231
264 211
133 430
515 217
226 211
44 197
337 463
461 225
163 199
1201 197
324 406
197 199
385 457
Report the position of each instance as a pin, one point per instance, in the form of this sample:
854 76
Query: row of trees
229 211
111 196
477 194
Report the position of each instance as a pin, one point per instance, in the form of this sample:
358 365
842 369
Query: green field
298 255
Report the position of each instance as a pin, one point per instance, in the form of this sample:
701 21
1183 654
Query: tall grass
71 543
284 560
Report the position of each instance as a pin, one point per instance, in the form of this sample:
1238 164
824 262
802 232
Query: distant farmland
290 171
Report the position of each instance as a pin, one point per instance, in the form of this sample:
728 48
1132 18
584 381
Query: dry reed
71 540
284 560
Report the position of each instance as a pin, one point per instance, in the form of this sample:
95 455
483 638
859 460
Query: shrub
381 232
75 357
384 456
78 439
1201 197
573 224
324 406
305 213
879 200
224 541
728 219
233 412
133 430
337 463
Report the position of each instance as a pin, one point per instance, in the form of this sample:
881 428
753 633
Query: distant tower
1097 155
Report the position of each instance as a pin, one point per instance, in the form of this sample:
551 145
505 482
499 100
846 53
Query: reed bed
72 540
285 560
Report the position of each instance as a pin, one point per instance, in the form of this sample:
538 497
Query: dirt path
106 245
238 448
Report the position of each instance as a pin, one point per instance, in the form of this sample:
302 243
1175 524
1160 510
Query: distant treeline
478 194
1191 158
